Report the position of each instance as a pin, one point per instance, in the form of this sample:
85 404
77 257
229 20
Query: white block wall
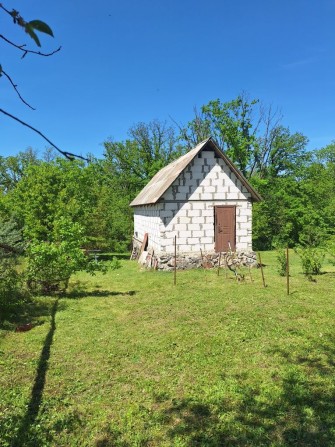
147 219
187 209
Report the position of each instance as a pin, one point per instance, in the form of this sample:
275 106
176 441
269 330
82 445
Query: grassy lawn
129 359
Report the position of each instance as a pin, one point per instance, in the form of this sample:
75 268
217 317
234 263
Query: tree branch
15 88
68 155
26 51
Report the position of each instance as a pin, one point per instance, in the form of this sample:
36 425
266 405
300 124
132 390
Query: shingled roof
164 178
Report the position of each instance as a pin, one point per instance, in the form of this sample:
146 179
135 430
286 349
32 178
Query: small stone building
203 200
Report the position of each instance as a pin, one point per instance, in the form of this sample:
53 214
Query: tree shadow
297 409
28 311
79 290
77 294
37 391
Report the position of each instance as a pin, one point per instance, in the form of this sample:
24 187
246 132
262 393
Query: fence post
287 271
219 263
260 261
175 261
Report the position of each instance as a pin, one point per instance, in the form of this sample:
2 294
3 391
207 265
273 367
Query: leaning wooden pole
287 271
260 262
175 261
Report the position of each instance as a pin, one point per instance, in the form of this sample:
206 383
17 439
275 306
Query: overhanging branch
26 51
15 88
68 155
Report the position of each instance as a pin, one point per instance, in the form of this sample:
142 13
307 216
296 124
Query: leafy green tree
127 168
11 246
13 168
149 148
231 124
51 264
52 190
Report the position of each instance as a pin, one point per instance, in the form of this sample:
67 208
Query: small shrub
330 249
311 260
51 264
281 262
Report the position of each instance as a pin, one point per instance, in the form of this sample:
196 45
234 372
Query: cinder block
241 233
184 220
198 205
198 220
206 196
194 213
244 225
210 189
207 213
207 226
181 240
244 239
195 196
181 196
192 241
197 233
169 206
207 240
193 226
180 227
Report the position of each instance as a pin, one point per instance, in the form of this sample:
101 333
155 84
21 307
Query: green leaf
42 27
32 34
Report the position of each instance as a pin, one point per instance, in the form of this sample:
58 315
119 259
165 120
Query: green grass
129 359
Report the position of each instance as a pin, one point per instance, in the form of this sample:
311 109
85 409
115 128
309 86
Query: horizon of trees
297 185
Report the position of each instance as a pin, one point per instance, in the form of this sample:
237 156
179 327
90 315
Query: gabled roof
164 178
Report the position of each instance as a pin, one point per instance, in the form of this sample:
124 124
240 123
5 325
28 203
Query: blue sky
130 61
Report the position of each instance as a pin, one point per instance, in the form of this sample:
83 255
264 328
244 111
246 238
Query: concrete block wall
193 225
207 178
187 209
147 219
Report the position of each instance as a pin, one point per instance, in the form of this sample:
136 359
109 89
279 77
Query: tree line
52 208
297 185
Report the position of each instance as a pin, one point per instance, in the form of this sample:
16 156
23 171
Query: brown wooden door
225 228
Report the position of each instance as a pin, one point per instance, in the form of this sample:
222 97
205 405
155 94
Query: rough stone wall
187 262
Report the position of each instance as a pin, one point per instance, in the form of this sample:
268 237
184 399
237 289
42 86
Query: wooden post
287 271
260 261
219 263
175 261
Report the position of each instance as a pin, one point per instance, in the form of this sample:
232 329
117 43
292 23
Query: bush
330 249
311 260
51 264
281 261
11 291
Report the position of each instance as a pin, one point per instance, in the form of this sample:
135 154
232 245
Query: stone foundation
186 262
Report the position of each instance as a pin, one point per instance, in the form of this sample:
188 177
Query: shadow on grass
297 409
78 289
77 294
23 434
32 310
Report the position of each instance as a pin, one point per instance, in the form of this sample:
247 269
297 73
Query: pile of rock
185 262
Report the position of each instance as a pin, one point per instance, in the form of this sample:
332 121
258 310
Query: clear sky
128 61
